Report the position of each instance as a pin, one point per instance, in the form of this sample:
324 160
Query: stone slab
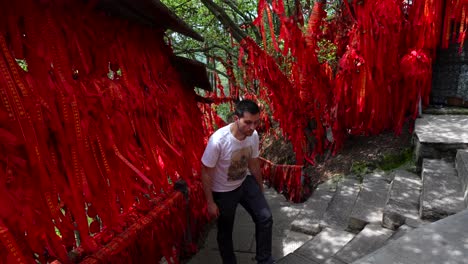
341 206
403 199
294 258
447 129
283 246
308 220
397 214
372 237
334 260
370 202
439 136
461 164
444 241
417 222
405 180
389 176
401 231
402 193
441 193
324 245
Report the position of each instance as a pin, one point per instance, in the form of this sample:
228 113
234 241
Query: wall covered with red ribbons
95 129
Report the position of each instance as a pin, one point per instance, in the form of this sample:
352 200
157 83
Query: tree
221 23
217 42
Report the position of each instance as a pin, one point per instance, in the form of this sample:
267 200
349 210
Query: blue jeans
252 199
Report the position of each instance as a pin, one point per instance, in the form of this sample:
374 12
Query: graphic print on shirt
239 163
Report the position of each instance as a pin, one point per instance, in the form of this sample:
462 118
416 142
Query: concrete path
284 240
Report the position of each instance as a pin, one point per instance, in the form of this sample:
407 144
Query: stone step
461 164
308 220
441 193
446 110
372 237
340 207
444 241
370 202
403 200
324 245
401 231
439 136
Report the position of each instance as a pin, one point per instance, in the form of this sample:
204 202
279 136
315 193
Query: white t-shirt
229 157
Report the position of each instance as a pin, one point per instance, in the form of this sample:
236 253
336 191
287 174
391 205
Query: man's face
248 123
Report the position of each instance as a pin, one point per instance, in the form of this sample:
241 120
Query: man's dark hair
246 105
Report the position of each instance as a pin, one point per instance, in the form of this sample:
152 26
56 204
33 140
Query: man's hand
213 209
254 168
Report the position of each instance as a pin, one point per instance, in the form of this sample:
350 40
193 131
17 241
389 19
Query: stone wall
450 77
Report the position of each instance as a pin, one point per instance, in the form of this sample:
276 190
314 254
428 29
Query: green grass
393 161
361 168
386 163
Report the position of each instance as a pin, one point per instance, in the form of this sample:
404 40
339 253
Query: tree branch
236 10
184 3
205 49
247 20
217 71
227 22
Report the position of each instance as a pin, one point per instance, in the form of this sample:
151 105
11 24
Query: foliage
217 38
327 52
360 168
23 64
218 42
224 111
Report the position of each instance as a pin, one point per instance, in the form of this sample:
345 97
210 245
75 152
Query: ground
360 154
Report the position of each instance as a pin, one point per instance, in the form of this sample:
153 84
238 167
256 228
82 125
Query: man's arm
254 168
207 183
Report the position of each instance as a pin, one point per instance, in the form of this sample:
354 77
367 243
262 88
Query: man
229 161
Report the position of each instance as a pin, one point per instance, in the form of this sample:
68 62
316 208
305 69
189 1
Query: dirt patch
360 151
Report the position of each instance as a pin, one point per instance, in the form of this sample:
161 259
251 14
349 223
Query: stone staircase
350 219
